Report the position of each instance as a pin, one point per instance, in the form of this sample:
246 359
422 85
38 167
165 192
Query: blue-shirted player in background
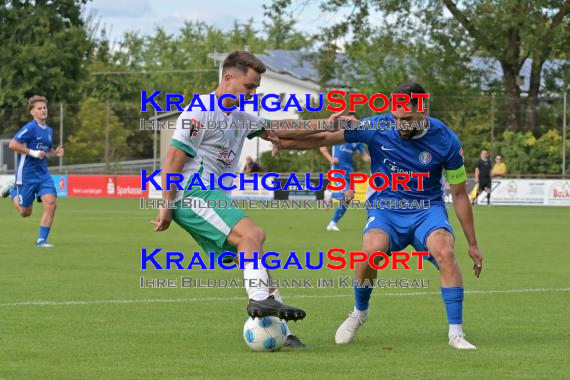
33 142
342 158
435 150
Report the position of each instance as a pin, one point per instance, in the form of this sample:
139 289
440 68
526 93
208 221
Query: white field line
224 299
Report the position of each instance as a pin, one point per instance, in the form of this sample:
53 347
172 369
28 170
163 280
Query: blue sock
338 213
362 297
44 232
453 300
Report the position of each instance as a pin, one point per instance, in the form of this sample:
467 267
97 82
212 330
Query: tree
508 30
44 49
101 136
525 153
512 31
280 27
111 83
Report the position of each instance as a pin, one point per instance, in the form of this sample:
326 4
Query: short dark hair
243 60
410 88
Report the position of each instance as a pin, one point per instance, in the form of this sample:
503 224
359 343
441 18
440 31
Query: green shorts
209 226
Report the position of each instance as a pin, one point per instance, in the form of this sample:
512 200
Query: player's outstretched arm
290 128
464 212
309 142
173 163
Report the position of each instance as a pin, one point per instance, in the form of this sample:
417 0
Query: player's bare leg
249 238
49 204
374 240
440 244
23 211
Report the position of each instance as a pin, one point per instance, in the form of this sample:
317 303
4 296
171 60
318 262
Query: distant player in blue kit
401 149
342 158
33 142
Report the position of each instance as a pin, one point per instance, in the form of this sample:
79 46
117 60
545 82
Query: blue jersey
437 150
344 152
35 137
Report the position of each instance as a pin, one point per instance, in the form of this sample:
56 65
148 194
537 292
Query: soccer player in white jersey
217 150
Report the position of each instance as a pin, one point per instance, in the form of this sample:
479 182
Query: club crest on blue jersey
425 157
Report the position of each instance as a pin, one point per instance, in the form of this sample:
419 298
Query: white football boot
459 342
347 330
6 187
332 227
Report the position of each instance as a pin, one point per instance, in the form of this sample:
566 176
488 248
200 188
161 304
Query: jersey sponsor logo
425 157
386 149
40 146
393 167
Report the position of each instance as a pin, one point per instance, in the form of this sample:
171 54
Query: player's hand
477 258
334 161
59 151
42 155
275 140
340 116
274 151
163 221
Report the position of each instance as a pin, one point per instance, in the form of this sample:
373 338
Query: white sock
455 330
276 295
331 223
362 314
258 292
278 298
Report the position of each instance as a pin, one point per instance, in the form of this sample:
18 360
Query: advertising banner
529 192
60 182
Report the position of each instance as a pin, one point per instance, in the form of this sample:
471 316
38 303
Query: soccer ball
265 334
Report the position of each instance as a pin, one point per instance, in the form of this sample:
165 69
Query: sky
120 16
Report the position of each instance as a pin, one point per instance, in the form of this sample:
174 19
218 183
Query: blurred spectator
483 175
251 166
500 168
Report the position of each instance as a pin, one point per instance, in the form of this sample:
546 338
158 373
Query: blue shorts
36 188
408 228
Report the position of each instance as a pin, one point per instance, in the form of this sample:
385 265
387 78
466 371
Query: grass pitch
77 311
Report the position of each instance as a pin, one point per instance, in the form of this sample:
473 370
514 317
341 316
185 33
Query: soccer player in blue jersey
436 151
33 142
342 158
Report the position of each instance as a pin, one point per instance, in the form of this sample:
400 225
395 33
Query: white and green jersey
213 140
